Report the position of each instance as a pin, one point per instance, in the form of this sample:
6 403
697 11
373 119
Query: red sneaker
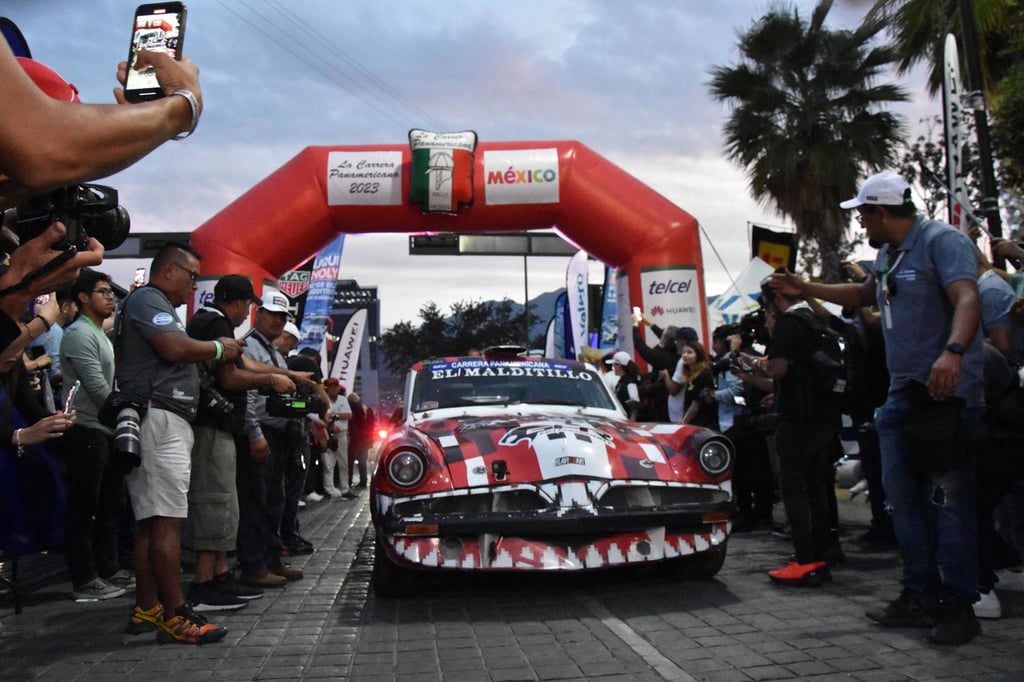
804 575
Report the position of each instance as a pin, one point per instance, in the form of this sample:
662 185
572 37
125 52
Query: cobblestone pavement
620 625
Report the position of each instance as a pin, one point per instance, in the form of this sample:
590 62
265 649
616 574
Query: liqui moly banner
323 280
576 290
609 337
346 362
671 296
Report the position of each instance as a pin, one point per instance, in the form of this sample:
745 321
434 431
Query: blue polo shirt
917 316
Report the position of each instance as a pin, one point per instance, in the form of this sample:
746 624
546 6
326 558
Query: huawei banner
346 362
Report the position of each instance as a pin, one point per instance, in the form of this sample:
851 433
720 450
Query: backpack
839 366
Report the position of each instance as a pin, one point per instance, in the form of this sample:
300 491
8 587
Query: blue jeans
934 516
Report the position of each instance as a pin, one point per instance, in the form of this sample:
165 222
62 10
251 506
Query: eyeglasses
193 275
108 293
862 213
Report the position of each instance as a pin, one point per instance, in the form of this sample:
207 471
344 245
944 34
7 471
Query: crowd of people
163 435
931 337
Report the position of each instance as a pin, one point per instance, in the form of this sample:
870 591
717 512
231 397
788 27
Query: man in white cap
261 462
928 297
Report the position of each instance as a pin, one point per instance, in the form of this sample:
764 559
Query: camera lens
126 433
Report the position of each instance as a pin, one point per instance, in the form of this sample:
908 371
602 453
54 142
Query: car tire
701 566
389 579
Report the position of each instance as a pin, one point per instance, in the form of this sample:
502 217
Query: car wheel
390 580
700 566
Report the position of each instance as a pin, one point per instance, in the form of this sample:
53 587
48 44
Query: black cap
686 334
234 288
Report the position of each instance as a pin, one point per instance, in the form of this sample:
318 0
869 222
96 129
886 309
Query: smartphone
69 403
158 27
140 277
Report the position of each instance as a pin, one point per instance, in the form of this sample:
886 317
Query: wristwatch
955 348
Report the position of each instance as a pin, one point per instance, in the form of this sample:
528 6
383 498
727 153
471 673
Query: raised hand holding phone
157 27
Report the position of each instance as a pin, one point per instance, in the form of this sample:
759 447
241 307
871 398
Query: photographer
213 494
262 461
48 139
156 372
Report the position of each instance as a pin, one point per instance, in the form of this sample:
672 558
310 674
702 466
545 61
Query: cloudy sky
627 79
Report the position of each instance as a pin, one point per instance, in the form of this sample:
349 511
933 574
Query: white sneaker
1010 579
314 496
96 589
988 605
302 503
333 492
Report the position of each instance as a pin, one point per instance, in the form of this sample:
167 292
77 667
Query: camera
126 435
86 210
291 405
211 400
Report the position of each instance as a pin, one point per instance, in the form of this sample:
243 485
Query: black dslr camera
86 210
291 405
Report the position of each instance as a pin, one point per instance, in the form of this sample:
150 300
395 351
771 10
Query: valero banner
777 249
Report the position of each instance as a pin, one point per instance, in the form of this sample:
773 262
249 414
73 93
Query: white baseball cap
274 302
885 188
290 328
620 358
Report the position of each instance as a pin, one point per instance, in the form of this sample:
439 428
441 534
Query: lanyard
887 285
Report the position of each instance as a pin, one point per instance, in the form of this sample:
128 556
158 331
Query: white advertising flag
576 287
347 360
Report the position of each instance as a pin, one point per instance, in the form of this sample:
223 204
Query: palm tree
807 119
918 30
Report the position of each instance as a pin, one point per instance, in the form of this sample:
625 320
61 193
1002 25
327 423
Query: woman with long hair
697 380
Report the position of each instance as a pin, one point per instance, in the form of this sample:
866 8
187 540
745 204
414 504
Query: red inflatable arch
325 191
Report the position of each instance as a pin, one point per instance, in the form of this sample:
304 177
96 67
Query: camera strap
267 346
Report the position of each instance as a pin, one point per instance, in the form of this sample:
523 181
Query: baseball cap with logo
881 189
274 302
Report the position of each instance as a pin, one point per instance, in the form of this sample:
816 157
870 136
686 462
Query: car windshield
477 381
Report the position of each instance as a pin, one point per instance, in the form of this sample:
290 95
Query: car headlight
715 456
406 468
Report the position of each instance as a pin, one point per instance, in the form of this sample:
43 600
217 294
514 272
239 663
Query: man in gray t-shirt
155 365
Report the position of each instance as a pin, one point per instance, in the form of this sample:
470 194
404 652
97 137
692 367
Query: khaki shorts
212 495
159 486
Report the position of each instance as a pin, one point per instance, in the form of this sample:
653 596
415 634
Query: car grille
608 497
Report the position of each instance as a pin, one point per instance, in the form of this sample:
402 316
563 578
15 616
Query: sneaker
96 589
189 627
333 493
803 575
782 531
145 621
956 622
302 503
349 495
314 497
227 582
910 610
1010 579
987 605
123 578
210 596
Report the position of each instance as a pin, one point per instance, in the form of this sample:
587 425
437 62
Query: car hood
512 449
